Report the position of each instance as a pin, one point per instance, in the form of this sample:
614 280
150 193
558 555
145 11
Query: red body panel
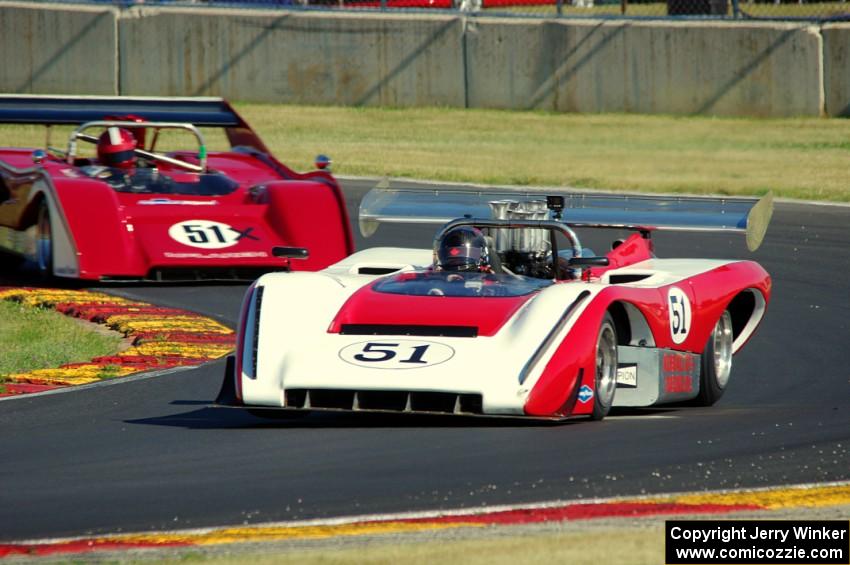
126 234
633 250
710 293
366 306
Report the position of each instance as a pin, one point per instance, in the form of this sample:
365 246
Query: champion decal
627 376
584 394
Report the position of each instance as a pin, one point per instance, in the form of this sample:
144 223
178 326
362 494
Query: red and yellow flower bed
161 338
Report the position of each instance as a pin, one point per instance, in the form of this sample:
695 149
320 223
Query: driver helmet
115 148
463 248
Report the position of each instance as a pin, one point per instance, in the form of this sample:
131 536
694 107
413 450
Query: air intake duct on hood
411 330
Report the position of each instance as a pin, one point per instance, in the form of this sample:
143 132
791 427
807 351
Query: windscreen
463 284
152 181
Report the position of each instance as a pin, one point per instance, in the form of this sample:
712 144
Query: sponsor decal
166 201
627 376
585 393
70 173
678 363
234 255
208 234
679 308
678 372
678 383
396 354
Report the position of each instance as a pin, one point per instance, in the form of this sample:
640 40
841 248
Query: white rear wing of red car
750 216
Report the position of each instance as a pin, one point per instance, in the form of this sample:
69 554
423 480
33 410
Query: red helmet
115 148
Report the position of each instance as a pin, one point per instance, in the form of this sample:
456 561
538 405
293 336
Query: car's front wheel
605 382
44 241
716 365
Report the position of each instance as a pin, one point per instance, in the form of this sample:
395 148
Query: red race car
121 209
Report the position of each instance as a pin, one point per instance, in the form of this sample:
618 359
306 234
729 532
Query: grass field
799 158
804 158
33 338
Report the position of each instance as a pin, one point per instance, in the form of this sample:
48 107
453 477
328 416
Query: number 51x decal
396 354
207 234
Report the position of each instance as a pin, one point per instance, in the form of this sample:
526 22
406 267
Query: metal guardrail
788 10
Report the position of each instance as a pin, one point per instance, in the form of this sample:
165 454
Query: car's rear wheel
44 241
716 367
605 382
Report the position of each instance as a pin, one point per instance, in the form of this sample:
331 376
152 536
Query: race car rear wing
751 216
52 110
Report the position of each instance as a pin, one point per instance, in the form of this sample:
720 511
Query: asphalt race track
147 454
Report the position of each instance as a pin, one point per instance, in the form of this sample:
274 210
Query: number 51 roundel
679 308
396 354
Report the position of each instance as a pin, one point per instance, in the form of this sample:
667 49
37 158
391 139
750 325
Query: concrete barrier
719 68
646 67
58 49
836 78
293 57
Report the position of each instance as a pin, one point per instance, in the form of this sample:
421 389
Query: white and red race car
546 330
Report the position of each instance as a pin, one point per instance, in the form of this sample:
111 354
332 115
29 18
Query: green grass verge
806 158
35 338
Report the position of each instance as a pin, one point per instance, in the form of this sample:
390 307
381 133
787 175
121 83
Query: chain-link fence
679 9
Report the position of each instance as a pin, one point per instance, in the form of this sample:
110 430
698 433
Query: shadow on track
216 418
27 277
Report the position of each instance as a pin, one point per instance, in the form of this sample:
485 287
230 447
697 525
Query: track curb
162 338
714 503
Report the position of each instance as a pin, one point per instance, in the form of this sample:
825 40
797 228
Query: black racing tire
605 379
44 242
10 260
716 362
